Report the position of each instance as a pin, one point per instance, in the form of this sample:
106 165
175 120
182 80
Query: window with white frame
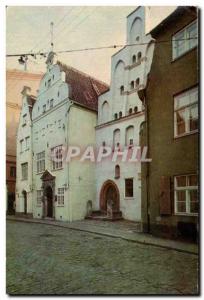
57 158
186 194
41 162
24 170
27 143
60 196
186 112
39 197
185 40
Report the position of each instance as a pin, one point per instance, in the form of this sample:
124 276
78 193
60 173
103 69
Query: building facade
64 114
15 80
170 202
120 114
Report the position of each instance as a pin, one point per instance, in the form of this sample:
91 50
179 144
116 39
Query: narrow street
44 259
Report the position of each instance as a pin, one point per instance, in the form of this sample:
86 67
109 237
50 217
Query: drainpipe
70 103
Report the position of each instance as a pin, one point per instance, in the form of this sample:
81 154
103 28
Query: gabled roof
84 89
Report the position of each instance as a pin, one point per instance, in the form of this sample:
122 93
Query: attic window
44 108
51 103
58 94
130 111
134 59
53 77
132 85
137 82
137 38
49 83
121 89
116 115
120 114
139 56
135 109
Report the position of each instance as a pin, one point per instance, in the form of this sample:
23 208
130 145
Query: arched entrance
49 198
25 202
109 194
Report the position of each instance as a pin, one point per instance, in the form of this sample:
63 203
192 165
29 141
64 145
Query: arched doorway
109 193
49 197
25 201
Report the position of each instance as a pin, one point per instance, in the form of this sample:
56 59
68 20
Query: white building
120 114
64 113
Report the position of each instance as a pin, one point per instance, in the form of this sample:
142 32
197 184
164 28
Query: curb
105 234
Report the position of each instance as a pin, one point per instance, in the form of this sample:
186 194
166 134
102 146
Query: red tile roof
84 89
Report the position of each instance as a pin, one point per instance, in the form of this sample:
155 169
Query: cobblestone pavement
43 259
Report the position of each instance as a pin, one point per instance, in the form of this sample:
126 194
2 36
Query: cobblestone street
44 259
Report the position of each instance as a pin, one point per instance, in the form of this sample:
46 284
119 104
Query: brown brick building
170 181
15 80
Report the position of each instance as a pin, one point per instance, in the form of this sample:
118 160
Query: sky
28 29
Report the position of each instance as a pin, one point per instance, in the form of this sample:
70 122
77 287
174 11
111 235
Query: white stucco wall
123 71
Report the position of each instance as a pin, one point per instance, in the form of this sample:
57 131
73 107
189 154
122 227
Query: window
51 103
115 115
132 85
186 112
117 172
12 171
121 89
185 40
41 162
120 114
60 196
24 169
134 59
129 187
105 111
21 145
137 38
27 143
57 157
116 137
39 197
135 109
137 82
44 108
139 56
186 194
130 111
49 83
24 120
129 135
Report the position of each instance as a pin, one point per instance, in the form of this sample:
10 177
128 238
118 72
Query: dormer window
122 89
132 85
134 59
44 108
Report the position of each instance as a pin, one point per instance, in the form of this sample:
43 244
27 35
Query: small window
137 38
130 111
39 197
53 77
58 94
115 115
44 108
104 144
135 109
186 194
60 196
134 59
137 82
27 143
51 103
117 172
24 170
21 145
24 119
121 89
13 172
49 83
45 83
139 56
132 85
120 114
129 187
